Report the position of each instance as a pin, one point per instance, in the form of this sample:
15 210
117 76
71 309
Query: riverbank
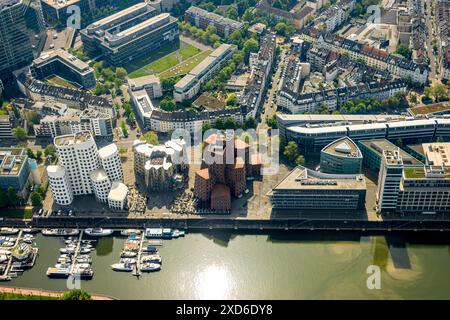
13 293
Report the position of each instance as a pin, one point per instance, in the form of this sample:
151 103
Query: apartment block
202 19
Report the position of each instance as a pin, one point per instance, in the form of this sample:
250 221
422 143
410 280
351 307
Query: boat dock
137 269
13 269
77 251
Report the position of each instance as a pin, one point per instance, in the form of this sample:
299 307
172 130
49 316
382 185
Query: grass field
16 213
166 62
185 66
17 296
58 81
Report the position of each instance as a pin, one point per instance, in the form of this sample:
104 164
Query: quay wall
237 224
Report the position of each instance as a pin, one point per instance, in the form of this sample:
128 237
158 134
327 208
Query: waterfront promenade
208 223
44 293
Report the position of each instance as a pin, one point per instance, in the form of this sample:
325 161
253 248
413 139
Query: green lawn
16 213
167 60
16 296
58 81
188 51
185 67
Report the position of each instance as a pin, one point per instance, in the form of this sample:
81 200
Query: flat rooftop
71 139
155 21
117 16
11 161
302 178
344 147
380 145
58 4
64 57
437 154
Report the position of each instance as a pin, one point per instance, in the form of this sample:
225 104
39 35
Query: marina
283 265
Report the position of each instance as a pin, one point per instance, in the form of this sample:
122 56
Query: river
223 265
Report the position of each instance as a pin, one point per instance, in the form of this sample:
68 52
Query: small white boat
3 258
29 230
60 232
122 267
149 267
8 231
5 252
53 272
67 250
85 250
128 254
84 259
83 265
128 260
28 238
130 232
151 258
98 232
62 265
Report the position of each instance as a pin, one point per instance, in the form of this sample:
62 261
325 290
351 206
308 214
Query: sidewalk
43 293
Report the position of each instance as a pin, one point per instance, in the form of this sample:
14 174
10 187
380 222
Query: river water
261 266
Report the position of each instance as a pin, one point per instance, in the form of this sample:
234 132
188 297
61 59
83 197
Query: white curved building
101 184
117 197
110 161
78 154
60 185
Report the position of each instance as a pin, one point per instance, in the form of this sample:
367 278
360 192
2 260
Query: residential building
333 99
101 184
305 189
220 197
202 19
73 121
73 98
341 157
299 19
130 34
61 63
15 46
189 86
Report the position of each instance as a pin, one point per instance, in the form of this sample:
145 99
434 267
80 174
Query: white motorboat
130 232
128 260
151 258
28 238
60 232
29 230
53 272
149 267
85 250
126 267
3 258
8 231
5 252
69 250
98 232
128 254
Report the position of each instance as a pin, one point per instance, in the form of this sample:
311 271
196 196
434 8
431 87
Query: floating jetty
20 256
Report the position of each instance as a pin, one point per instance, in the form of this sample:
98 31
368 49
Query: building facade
202 19
341 157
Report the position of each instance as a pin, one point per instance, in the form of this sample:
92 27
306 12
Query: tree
403 49
32 118
39 155
150 137
13 199
3 199
250 123
31 154
251 45
291 151
232 99
230 123
76 294
440 139
167 104
300 160
50 150
123 126
122 150
232 13
121 73
205 127
36 199
19 133
272 122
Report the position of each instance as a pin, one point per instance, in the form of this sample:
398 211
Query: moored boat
53 272
128 254
149 267
131 232
98 232
122 267
151 258
3 258
8 231
150 249
60 232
